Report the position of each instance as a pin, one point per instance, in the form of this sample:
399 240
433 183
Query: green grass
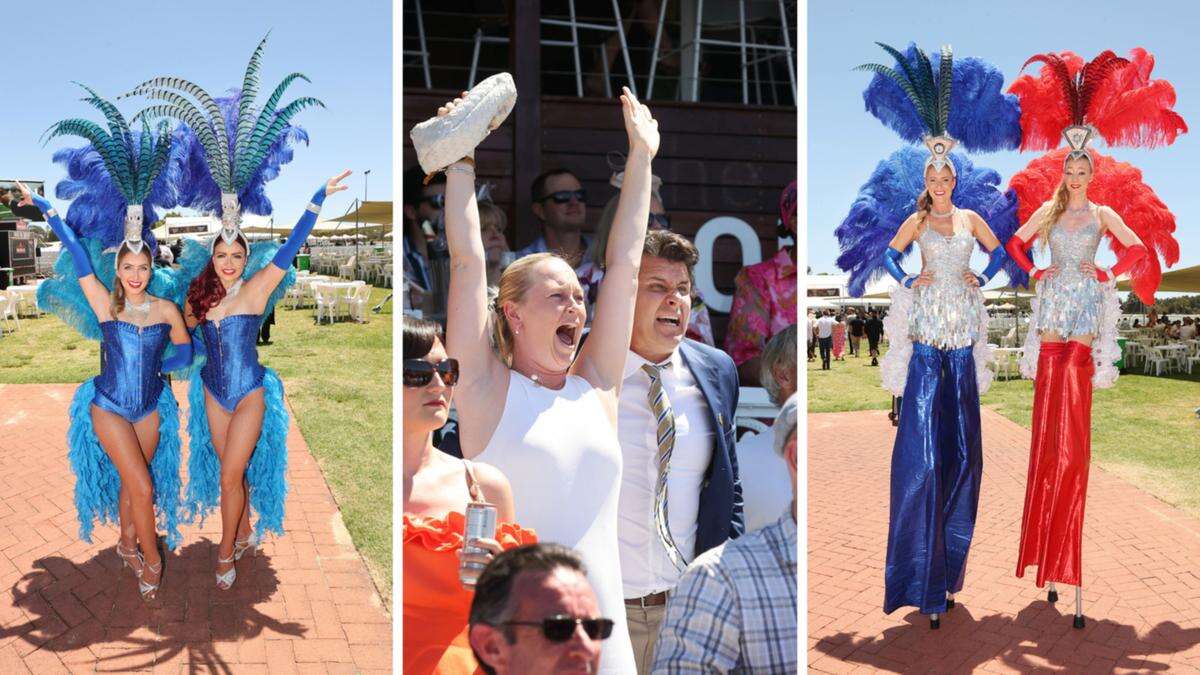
338 379
1144 428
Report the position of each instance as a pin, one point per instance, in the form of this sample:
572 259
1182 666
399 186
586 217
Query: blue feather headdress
116 180
234 147
920 103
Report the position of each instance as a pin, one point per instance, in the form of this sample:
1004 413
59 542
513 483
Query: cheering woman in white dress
546 418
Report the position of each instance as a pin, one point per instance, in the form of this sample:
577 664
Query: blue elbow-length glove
181 359
995 259
891 262
287 252
79 257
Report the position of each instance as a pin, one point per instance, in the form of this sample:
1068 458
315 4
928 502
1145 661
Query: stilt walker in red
1071 199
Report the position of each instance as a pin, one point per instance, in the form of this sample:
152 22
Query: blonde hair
514 284
116 297
492 217
1059 203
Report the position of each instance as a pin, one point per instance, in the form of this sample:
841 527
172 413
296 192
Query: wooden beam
525 63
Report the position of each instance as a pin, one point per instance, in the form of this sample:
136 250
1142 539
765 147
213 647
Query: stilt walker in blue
124 431
237 421
937 325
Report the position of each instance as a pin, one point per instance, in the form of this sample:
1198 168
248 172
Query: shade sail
1184 280
376 213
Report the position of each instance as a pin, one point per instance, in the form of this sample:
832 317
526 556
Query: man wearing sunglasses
534 611
560 205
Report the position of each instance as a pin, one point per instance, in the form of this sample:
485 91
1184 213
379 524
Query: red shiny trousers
1059 455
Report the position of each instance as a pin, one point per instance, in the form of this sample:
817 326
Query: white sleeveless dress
562 457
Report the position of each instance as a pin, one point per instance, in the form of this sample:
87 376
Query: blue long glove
995 259
79 257
181 359
287 252
891 262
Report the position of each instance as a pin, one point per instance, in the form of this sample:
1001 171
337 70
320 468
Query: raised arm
93 290
263 283
602 359
1134 250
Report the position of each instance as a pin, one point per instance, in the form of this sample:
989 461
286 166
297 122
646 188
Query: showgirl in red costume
1070 199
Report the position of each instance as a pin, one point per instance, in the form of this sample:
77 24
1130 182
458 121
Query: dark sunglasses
564 196
560 628
659 221
419 373
436 201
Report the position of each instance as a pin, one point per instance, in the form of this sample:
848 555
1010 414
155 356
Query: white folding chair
9 302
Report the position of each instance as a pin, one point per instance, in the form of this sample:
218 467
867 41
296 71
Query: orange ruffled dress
436 605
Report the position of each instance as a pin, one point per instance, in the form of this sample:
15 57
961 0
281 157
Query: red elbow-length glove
1125 261
1017 248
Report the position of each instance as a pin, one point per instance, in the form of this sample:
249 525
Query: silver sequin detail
1070 303
946 314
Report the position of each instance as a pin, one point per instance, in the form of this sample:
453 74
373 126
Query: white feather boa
894 365
1105 349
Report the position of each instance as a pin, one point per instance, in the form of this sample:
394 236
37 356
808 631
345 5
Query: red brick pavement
1141 570
305 604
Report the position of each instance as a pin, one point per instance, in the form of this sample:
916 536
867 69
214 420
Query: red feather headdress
1117 99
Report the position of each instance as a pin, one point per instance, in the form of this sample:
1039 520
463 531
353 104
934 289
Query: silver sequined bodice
946 313
1070 300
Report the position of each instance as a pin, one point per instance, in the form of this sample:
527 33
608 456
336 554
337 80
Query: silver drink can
481 524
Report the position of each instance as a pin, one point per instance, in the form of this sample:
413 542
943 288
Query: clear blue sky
345 48
845 142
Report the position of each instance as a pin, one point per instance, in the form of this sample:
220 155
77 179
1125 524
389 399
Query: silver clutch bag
441 141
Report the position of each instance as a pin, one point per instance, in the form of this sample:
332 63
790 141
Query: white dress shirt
645 565
825 326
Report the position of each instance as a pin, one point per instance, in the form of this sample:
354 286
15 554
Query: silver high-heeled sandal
240 547
148 590
225 581
127 556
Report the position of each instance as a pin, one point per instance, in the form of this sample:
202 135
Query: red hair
205 292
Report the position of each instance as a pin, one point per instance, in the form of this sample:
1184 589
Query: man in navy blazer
680 493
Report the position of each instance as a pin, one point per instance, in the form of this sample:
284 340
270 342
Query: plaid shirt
734 610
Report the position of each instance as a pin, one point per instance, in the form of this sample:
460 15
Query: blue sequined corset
945 314
1070 301
231 369
130 382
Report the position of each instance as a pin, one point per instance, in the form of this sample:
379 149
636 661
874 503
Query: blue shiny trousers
937 466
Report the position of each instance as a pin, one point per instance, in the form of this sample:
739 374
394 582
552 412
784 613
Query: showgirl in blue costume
238 423
124 433
937 324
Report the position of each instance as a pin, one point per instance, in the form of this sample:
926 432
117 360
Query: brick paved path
1141 570
305 604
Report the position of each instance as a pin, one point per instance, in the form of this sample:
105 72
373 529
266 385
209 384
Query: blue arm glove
79 257
891 262
181 359
995 259
287 252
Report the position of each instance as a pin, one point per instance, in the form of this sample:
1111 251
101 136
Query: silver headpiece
133 229
231 221
1078 136
939 153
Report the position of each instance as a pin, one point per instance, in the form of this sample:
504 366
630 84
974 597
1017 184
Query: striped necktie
660 405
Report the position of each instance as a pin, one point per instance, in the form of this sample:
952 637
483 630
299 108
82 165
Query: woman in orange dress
437 488
839 339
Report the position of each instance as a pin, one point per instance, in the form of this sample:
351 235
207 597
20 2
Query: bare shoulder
491 479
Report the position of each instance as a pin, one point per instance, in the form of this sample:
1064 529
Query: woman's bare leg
122 443
234 444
